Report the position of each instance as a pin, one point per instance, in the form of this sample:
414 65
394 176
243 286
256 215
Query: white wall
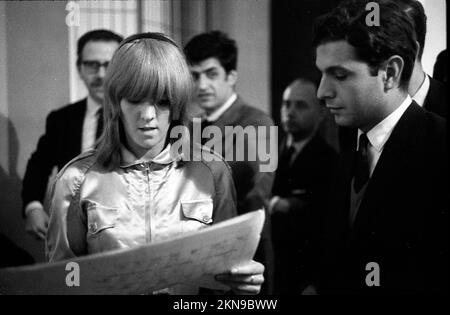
3 90
33 80
248 22
37 68
436 38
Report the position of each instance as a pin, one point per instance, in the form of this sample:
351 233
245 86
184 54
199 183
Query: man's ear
392 72
232 77
418 50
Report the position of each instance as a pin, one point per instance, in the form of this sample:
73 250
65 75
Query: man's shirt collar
422 92
379 134
215 115
92 105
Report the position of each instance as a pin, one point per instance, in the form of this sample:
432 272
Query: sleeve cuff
34 205
272 203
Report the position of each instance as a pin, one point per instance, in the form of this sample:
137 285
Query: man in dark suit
386 230
213 63
69 130
425 90
440 67
302 182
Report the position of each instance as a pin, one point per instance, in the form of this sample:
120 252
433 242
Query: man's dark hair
416 12
440 67
96 35
373 44
214 44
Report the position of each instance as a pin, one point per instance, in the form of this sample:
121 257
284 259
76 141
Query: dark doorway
292 52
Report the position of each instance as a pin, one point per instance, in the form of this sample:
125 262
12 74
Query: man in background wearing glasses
69 130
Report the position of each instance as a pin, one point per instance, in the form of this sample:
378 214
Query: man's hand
245 279
310 290
37 223
281 206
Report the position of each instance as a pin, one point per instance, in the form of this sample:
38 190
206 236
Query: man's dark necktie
286 156
99 123
362 164
205 123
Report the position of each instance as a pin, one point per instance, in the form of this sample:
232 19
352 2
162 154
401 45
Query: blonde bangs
150 70
145 69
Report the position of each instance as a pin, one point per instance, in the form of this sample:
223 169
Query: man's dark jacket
402 223
60 143
436 99
305 183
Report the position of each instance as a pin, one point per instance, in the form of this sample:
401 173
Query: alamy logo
373 17
250 144
373 277
73 277
73 17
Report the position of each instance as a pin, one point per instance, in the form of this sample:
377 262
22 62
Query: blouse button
205 218
93 227
141 166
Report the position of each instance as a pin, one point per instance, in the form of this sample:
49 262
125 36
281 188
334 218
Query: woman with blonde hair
133 189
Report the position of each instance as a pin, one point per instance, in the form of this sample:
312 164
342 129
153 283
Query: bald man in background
302 181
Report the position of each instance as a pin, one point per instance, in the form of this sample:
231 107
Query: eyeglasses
93 66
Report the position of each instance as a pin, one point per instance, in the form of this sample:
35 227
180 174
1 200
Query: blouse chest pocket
196 214
100 218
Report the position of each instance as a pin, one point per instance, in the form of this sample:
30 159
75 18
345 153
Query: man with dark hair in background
69 130
386 229
440 67
213 62
301 186
424 90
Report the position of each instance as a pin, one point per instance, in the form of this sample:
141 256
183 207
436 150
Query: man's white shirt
379 135
90 125
219 111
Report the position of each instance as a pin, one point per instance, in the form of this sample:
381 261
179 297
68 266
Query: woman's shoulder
204 163
207 158
78 166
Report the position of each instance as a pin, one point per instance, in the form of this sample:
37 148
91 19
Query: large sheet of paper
191 259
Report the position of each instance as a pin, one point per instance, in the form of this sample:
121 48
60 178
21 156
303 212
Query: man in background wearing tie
386 231
69 130
424 90
301 185
213 57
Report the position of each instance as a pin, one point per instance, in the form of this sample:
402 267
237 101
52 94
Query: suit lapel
229 118
348 161
308 153
231 115
340 206
75 132
436 99
394 157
